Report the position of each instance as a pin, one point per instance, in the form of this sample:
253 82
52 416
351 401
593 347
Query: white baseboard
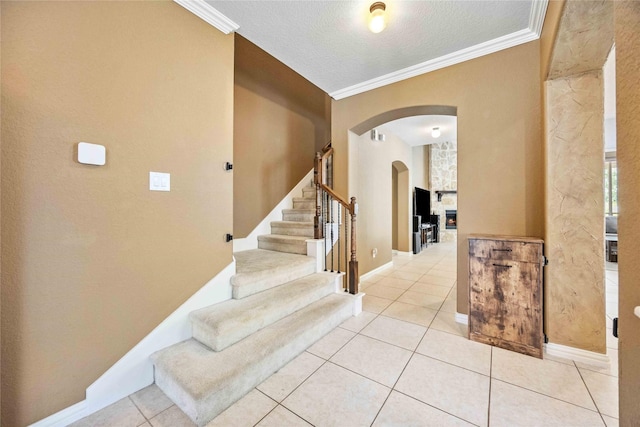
584 356
376 271
462 318
251 241
401 253
134 371
65 417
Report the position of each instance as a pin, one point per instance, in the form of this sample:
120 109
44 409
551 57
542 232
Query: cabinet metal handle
502 265
502 250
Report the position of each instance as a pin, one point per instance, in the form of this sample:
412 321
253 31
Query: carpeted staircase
280 307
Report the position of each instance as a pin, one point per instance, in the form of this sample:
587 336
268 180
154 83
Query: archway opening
389 160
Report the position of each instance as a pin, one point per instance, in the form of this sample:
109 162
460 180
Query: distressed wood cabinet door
505 293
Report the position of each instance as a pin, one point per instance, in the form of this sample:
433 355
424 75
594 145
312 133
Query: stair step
302 203
204 383
258 270
301 215
292 228
283 243
309 192
224 324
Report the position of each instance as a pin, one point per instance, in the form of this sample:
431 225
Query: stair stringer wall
251 241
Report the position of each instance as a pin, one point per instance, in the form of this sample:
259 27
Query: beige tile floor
406 362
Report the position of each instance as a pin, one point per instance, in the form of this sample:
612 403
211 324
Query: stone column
575 300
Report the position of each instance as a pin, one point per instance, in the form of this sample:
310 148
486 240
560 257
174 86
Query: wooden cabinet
505 292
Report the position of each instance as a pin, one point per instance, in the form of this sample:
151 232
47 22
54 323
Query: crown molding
491 46
209 14
536 18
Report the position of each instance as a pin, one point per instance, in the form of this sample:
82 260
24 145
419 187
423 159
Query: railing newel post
354 279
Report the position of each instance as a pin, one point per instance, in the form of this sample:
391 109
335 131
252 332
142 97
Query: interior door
627 39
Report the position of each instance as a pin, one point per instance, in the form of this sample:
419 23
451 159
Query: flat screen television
422 204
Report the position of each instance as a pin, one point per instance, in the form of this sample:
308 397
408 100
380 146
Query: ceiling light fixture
377 20
435 132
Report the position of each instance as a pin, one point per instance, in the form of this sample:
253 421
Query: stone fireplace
443 177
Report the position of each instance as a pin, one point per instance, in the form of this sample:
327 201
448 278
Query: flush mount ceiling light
435 132
377 20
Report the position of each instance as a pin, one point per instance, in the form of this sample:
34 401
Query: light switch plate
91 154
159 181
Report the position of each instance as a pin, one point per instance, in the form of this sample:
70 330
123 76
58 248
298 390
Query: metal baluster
339 226
331 227
324 228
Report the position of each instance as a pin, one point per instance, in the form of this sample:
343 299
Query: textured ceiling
416 130
328 42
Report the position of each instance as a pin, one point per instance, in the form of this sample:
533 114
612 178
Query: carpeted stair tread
309 192
304 215
258 270
203 383
283 243
224 324
303 203
293 228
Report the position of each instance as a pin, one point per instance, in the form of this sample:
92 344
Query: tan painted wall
405 207
574 292
499 142
273 150
420 167
92 260
0 217
627 34
394 208
280 121
374 196
401 207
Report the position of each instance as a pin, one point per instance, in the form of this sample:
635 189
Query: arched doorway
382 175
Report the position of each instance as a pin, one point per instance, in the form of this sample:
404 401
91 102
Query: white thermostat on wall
91 154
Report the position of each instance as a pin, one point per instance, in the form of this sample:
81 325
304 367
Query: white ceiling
416 130
328 42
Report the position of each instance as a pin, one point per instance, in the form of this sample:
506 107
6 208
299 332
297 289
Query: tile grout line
414 352
265 415
392 388
434 407
165 410
136 406
589 391
490 385
405 367
546 395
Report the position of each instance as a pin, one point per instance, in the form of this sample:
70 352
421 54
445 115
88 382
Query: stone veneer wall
443 170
